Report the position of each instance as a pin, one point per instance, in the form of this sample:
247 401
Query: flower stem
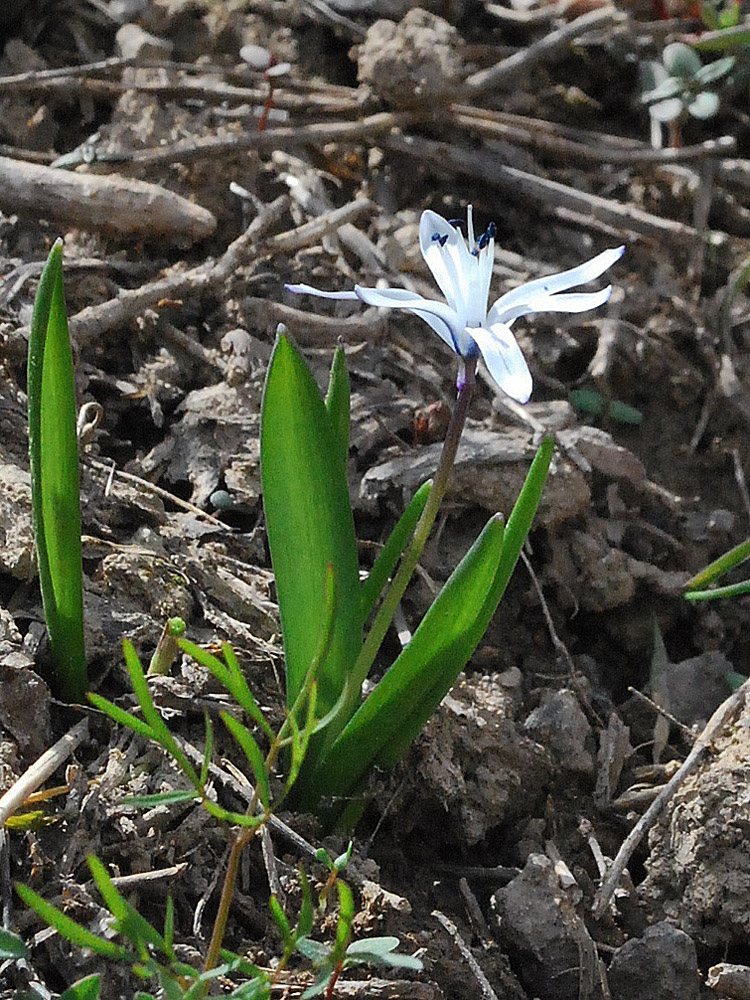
411 556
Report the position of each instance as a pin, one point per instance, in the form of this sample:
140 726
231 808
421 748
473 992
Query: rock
16 532
490 470
697 686
560 725
413 63
698 872
472 769
665 956
545 935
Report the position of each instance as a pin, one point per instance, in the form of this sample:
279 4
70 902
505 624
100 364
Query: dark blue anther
487 235
437 238
457 224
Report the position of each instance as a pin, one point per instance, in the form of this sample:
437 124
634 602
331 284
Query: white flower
463 320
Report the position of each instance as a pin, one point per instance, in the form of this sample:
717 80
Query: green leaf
55 489
587 401
391 552
11 946
310 525
714 71
337 405
282 924
120 716
680 60
734 557
85 989
161 798
231 677
130 923
315 951
159 728
731 590
69 929
306 913
733 37
169 927
253 753
669 88
622 413
395 712
343 859
205 766
380 951
346 916
704 105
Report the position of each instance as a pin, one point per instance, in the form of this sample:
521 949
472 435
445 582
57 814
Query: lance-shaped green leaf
55 488
395 712
337 404
392 550
440 647
516 533
309 524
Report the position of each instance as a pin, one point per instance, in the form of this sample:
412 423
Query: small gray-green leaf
680 60
704 105
11 945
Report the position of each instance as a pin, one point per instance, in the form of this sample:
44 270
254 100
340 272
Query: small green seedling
680 86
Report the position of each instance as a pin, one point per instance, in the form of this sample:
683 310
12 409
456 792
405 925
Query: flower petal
446 255
439 315
575 303
504 360
544 287
309 290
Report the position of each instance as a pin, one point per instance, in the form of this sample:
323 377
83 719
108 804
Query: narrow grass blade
231 677
253 753
131 924
55 488
731 590
161 798
391 552
69 929
120 716
718 568
160 730
309 523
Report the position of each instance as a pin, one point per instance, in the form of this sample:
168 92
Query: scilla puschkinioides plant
304 446
55 490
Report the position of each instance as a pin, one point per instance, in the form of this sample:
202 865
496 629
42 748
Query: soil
484 849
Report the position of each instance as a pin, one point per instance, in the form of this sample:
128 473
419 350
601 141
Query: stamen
489 234
437 238
458 224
